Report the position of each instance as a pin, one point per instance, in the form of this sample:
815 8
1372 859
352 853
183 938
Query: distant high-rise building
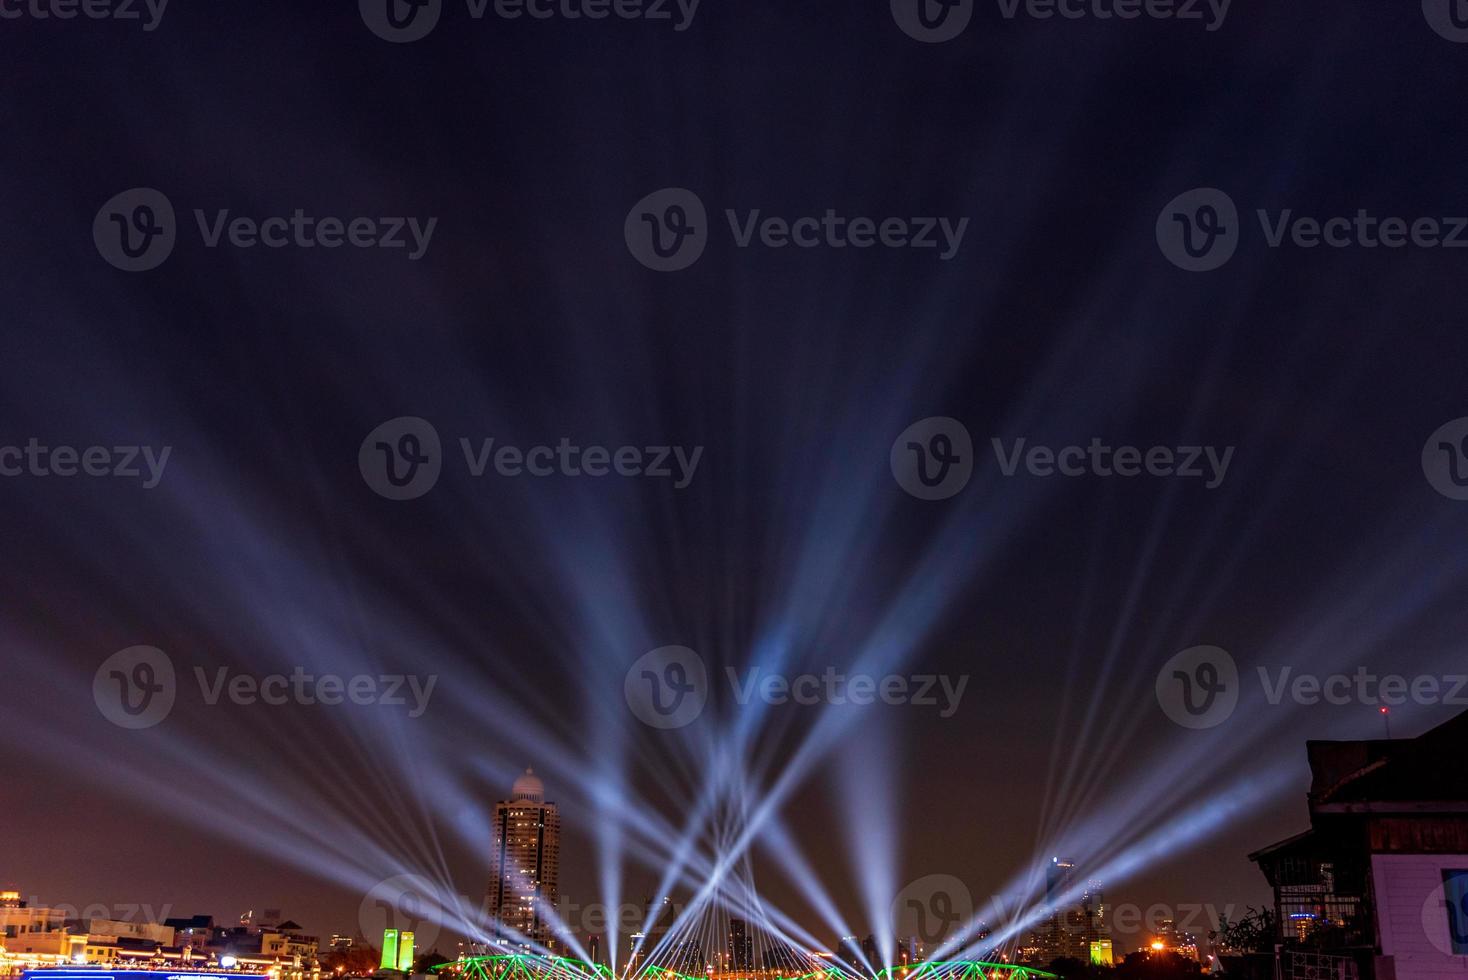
636 950
741 946
1173 940
781 958
525 864
1078 917
1059 877
1095 900
686 957
872 954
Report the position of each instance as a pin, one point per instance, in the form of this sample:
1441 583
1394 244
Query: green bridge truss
964 970
525 967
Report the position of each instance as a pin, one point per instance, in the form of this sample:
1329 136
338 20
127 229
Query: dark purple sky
1059 320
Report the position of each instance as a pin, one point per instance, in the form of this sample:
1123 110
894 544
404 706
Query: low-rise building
1378 887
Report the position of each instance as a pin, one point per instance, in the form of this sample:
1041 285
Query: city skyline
524 866
1398 789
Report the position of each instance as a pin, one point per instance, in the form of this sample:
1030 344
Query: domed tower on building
524 884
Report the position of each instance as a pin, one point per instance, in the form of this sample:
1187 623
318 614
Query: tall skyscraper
525 864
741 945
1078 918
1059 877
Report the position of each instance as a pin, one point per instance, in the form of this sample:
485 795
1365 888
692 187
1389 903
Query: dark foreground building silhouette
1378 887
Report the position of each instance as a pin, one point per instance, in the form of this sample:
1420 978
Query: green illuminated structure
397 950
525 967
964 970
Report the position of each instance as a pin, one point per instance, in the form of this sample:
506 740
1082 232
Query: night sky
527 320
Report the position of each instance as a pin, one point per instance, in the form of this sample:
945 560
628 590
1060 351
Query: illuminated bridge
525 967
